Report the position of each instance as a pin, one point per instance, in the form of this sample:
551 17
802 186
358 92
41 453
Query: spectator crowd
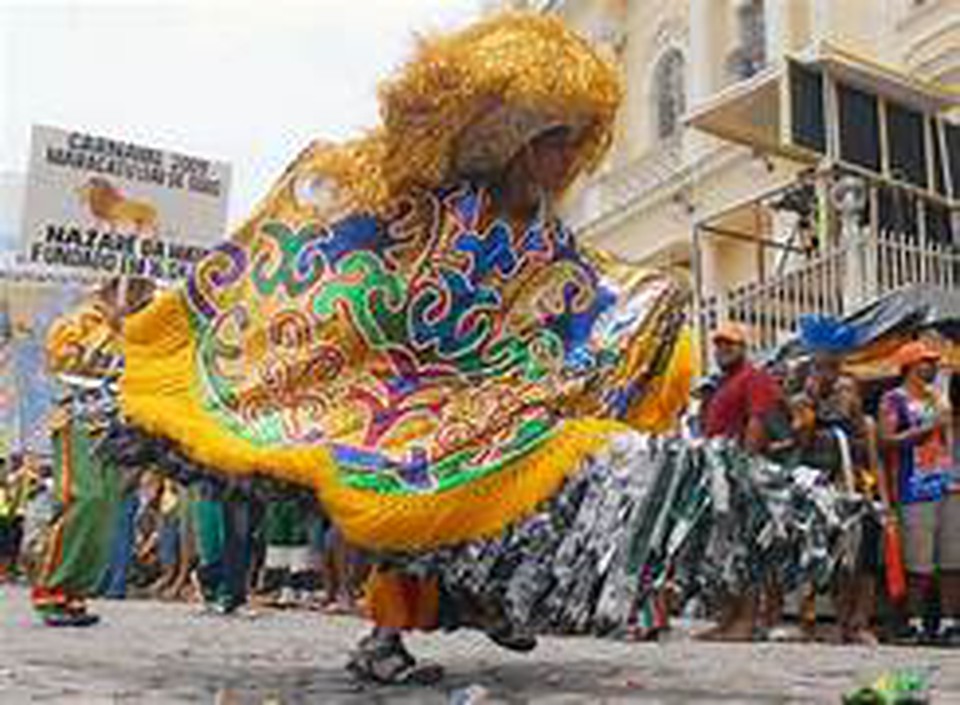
892 441
227 551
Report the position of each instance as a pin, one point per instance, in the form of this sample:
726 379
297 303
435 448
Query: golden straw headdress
465 104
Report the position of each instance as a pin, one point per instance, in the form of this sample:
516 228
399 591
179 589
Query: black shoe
70 619
905 635
950 637
509 638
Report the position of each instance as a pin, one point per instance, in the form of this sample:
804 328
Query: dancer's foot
739 622
385 660
860 637
339 607
733 632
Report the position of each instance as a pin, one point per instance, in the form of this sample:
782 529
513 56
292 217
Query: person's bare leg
158 588
331 574
358 570
739 622
338 580
843 603
772 604
808 612
950 593
848 605
864 609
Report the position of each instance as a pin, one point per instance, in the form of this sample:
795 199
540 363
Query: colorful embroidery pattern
427 348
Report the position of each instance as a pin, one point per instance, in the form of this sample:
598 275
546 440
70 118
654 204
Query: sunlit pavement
149 652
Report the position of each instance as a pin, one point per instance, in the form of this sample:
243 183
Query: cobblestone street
145 652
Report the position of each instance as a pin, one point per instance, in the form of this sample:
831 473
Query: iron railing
835 282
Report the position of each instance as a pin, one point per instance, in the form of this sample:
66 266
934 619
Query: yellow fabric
660 409
157 393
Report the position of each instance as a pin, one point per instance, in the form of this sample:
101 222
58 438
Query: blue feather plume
820 333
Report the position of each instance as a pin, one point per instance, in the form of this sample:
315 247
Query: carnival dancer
407 328
748 407
77 546
14 491
71 556
223 538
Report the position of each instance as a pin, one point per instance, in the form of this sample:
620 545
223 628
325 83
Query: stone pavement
148 652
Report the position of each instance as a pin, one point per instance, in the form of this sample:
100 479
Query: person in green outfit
222 525
287 567
77 543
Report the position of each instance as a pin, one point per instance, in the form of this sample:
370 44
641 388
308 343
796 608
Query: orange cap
914 353
730 333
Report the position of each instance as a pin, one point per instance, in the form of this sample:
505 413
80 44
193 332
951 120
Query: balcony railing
834 283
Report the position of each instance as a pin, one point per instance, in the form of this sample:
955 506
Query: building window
808 125
669 93
859 126
906 144
750 56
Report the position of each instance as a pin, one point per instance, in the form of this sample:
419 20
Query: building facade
701 137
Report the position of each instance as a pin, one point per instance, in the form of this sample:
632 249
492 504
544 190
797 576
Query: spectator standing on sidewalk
841 440
14 490
916 431
747 407
287 573
135 489
223 531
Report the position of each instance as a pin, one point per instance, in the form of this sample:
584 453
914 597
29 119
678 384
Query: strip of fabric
646 513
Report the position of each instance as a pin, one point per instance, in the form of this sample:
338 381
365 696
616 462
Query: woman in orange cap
915 427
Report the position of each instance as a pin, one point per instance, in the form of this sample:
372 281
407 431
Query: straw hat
914 353
467 102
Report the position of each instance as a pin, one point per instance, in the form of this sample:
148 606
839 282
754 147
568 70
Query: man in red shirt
747 400
748 407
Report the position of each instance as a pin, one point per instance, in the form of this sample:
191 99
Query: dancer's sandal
385 661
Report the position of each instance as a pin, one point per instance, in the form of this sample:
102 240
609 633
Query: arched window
669 93
750 55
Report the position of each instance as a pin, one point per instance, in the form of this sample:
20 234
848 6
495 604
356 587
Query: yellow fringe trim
476 510
158 395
